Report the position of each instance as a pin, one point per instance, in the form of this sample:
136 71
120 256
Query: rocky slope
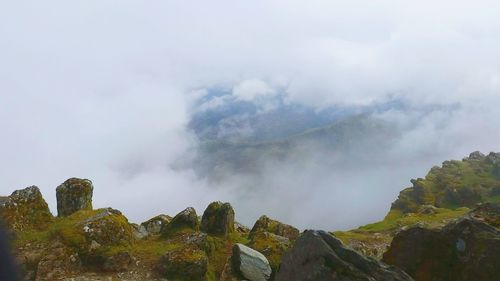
445 227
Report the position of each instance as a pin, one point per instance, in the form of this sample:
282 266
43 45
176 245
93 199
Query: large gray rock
318 256
250 264
74 195
183 222
153 226
265 224
25 209
218 219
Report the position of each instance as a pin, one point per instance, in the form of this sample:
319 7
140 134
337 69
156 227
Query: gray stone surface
251 264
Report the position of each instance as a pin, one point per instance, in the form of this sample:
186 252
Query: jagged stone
184 263
74 195
140 231
265 224
318 256
56 262
250 264
218 219
185 221
154 225
240 228
464 250
25 209
272 246
487 212
427 210
476 155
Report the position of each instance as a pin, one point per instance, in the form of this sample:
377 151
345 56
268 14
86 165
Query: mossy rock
272 246
184 222
73 195
218 219
95 234
265 224
455 184
25 210
154 225
184 264
466 249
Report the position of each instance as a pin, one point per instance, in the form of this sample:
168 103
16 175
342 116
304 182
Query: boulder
240 228
185 221
272 246
464 250
140 231
153 226
218 219
25 209
94 235
318 256
74 195
184 263
265 224
250 264
56 262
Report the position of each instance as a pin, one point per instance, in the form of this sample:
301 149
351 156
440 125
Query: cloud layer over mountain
107 90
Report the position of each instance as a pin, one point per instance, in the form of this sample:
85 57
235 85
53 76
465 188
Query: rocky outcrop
250 264
318 256
487 212
25 209
154 225
265 224
118 262
185 221
184 263
74 195
218 219
272 246
464 250
94 234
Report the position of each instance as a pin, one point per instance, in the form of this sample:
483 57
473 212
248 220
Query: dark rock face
25 209
318 256
184 263
153 226
265 224
118 262
464 250
185 221
218 219
74 195
487 212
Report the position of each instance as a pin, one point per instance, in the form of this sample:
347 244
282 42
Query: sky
105 89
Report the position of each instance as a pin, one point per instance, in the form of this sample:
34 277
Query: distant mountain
220 116
238 136
358 134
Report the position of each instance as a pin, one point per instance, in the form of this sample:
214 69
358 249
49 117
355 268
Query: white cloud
99 89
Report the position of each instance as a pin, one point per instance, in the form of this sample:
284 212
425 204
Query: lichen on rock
185 221
187 263
265 224
73 195
25 210
218 219
154 225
